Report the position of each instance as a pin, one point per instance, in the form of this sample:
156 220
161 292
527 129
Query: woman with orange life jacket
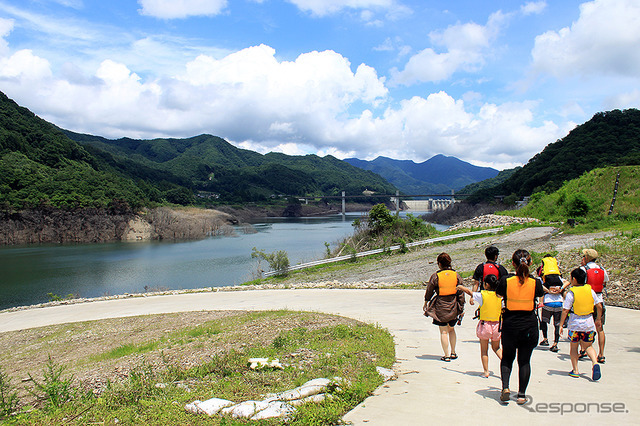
580 303
444 302
488 328
519 323
597 278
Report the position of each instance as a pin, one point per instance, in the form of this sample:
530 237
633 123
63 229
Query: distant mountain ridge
438 175
209 163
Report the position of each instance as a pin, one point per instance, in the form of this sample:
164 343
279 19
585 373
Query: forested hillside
609 138
209 163
44 166
589 196
39 165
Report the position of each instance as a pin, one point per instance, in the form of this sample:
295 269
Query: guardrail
377 251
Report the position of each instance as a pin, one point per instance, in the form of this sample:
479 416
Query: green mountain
489 183
609 138
40 166
589 196
437 175
211 164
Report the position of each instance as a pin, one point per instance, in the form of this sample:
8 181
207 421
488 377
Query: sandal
596 374
445 359
582 354
573 374
504 395
554 348
601 360
544 342
453 355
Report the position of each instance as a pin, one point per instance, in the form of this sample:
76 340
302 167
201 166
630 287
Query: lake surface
30 273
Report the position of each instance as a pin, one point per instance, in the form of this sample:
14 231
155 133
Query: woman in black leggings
519 323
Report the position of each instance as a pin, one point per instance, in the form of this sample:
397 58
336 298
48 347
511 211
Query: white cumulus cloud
176 9
533 7
464 48
603 40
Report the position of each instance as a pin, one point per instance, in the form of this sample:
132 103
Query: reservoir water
30 273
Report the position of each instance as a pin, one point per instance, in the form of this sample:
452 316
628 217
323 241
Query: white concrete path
428 391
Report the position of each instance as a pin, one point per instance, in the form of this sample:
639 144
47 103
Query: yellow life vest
582 300
491 306
447 282
520 297
550 266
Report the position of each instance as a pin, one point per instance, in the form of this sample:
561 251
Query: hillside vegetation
42 166
212 165
588 198
608 139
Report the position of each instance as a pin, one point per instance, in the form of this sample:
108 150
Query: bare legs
448 339
484 354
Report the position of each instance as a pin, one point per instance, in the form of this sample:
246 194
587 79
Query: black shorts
451 323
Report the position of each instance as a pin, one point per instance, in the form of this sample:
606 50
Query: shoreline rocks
491 220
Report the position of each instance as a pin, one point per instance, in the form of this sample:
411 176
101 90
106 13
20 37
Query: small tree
278 261
578 206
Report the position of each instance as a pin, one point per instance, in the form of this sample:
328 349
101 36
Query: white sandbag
275 409
386 373
313 398
260 363
312 387
245 409
210 406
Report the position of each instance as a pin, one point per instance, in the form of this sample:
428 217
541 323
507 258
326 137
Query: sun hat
590 254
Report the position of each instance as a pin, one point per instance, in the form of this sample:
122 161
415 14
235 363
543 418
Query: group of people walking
508 311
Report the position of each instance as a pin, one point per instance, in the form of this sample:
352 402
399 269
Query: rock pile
490 220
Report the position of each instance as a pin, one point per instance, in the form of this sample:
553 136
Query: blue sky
491 83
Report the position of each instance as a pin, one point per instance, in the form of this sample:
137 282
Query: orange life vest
447 282
520 297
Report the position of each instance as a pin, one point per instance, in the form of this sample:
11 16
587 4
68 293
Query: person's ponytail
521 260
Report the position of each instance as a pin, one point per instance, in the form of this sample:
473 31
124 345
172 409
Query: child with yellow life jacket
579 304
488 328
549 273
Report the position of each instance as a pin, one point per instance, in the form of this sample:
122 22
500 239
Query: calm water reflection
30 273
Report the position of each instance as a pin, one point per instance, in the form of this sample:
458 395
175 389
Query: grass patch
311 346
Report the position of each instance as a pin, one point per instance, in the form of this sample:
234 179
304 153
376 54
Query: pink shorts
488 330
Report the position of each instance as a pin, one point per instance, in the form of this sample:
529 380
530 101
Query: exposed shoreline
412 269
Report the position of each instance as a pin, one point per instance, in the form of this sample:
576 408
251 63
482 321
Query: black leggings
523 342
556 329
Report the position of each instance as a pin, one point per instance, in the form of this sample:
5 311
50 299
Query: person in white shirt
597 278
579 304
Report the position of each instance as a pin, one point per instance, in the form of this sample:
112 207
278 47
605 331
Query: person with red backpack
597 278
490 267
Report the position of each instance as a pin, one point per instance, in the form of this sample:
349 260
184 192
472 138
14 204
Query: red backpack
595 278
490 268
